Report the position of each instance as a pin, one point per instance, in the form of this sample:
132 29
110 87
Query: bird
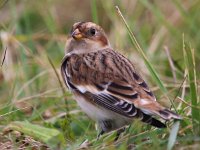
105 84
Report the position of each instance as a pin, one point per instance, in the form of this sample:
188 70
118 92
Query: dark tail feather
157 123
168 114
152 121
154 108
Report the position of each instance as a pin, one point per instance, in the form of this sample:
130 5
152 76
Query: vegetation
37 112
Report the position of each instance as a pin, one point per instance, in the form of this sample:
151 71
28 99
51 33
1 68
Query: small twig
4 56
171 63
184 86
10 112
40 95
182 131
183 89
134 40
59 80
179 89
132 136
179 98
27 84
62 87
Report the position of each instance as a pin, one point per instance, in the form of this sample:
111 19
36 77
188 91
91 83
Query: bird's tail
154 108
168 114
152 121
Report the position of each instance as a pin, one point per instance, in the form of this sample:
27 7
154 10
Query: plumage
105 83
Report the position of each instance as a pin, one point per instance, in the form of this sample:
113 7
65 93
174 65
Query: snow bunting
105 84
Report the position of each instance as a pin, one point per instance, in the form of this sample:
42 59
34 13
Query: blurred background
32 41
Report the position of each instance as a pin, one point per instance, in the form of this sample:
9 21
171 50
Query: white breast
94 112
100 114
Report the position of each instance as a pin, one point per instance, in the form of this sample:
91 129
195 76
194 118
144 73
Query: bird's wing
109 76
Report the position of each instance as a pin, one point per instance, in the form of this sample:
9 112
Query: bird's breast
95 112
99 114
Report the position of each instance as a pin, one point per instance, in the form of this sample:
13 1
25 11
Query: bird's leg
119 131
100 133
105 126
128 128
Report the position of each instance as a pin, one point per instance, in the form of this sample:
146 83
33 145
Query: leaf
94 11
51 137
173 135
190 66
147 62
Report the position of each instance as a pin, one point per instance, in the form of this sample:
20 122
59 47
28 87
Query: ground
38 112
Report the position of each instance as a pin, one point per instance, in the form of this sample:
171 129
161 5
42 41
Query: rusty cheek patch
99 38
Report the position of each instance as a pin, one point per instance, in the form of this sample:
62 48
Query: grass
190 66
35 109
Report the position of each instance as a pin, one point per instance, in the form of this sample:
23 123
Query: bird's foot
100 133
119 131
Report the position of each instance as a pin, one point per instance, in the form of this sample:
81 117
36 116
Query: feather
109 82
99 74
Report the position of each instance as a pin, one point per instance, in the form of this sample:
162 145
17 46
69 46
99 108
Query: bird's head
86 36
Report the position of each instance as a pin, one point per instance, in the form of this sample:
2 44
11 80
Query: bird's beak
77 34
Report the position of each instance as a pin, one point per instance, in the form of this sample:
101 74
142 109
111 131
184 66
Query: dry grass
32 40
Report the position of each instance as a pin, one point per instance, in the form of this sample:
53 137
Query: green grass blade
147 62
173 135
94 11
51 137
190 65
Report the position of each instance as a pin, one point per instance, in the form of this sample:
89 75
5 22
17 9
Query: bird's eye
92 31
